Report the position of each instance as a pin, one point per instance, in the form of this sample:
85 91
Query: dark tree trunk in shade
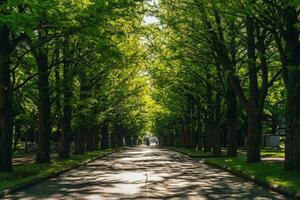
66 130
199 143
5 102
253 138
231 117
44 107
112 136
80 143
254 112
90 140
119 130
58 105
128 140
135 139
187 127
291 37
105 136
181 134
207 136
208 118
97 138
217 151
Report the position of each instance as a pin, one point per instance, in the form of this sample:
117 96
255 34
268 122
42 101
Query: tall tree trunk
254 116
105 136
135 140
66 130
187 125
97 137
5 102
199 131
90 140
44 128
253 139
291 37
79 146
119 134
196 127
128 140
207 136
58 110
112 139
112 136
193 138
209 118
183 133
231 123
217 151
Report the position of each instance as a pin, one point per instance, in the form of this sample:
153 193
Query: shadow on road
145 173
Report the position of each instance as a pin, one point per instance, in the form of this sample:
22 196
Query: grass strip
29 173
267 174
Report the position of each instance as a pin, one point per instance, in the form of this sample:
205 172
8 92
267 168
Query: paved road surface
145 173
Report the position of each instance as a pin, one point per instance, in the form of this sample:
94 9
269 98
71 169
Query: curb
53 175
262 183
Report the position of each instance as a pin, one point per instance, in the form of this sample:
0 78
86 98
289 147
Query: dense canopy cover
227 72
72 72
80 75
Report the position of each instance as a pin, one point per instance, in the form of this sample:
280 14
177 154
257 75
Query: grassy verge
272 153
271 174
27 173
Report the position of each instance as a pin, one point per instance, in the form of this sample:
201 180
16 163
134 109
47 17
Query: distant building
270 140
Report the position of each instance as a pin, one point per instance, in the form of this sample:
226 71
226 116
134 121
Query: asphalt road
145 173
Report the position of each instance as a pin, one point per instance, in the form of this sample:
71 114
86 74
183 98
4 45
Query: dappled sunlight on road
146 173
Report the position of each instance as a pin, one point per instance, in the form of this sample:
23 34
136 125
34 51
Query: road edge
53 175
264 184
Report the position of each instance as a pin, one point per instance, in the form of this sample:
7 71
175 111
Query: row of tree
227 70
70 71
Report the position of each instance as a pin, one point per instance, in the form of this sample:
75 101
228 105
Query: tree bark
135 140
105 136
209 118
187 124
5 102
112 136
58 109
231 122
291 37
207 136
119 130
253 138
253 111
181 133
90 140
66 130
199 130
44 127
79 146
217 151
